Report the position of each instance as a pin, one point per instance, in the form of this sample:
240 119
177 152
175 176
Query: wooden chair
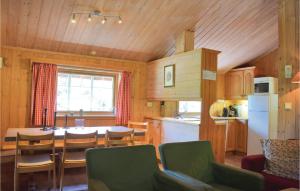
27 160
71 157
113 138
143 126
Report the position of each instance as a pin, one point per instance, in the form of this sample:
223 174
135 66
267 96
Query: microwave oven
265 85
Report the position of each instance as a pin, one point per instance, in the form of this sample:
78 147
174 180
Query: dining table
59 132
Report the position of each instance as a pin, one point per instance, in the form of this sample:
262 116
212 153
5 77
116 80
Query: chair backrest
114 138
143 126
192 158
31 143
138 125
35 142
80 141
123 168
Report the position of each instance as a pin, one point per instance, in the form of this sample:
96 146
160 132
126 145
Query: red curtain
44 77
123 99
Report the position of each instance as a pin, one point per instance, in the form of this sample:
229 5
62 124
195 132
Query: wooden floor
233 159
75 179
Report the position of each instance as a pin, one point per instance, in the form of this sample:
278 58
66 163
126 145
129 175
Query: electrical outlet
149 104
288 106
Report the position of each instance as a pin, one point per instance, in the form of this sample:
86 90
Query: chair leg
16 184
54 178
49 180
61 177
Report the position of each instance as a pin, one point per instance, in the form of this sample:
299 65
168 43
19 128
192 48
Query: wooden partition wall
187 72
208 128
289 53
15 78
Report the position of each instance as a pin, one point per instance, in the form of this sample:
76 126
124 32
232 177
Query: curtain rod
79 67
87 69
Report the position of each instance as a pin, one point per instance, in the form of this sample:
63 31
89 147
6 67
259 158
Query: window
89 92
189 106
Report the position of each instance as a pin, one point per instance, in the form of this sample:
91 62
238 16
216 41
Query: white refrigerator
262 120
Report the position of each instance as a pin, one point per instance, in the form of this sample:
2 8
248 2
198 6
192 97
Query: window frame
188 113
92 72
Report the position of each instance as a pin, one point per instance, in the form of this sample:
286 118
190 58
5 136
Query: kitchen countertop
229 118
224 120
172 119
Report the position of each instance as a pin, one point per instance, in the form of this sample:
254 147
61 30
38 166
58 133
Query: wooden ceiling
241 29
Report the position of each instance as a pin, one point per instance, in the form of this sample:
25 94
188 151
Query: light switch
288 71
149 104
287 105
1 62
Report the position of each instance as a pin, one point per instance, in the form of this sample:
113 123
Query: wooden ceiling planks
241 29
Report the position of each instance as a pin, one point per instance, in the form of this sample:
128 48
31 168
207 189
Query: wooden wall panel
187 77
16 82
267 64
221 86
154 110
288 120
171 109
88 121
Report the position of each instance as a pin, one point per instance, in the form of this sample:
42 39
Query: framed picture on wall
169 76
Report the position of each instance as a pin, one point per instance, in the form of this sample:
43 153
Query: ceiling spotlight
120 20
73 20
89 18
103 20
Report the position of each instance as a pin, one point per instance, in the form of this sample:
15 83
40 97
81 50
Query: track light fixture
73 20
89 18
103 20
95 13
120 20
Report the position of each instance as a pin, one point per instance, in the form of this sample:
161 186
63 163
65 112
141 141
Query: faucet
179 116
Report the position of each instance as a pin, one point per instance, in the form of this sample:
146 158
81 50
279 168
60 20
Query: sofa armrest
254 163
237 178
175 181
96 185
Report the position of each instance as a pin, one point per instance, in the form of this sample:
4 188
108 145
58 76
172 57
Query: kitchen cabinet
241 136
169 130
174 131
234 84
248 76
231 135
237 136
239 83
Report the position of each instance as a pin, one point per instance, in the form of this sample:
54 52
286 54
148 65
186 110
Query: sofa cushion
273 182
220 187
282 157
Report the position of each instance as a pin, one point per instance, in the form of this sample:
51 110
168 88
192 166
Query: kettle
225 112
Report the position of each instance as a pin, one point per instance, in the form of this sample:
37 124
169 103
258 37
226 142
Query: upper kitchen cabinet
187 77
239 83
248 76
234 84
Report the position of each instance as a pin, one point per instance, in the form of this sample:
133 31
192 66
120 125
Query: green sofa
193 163
132 168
